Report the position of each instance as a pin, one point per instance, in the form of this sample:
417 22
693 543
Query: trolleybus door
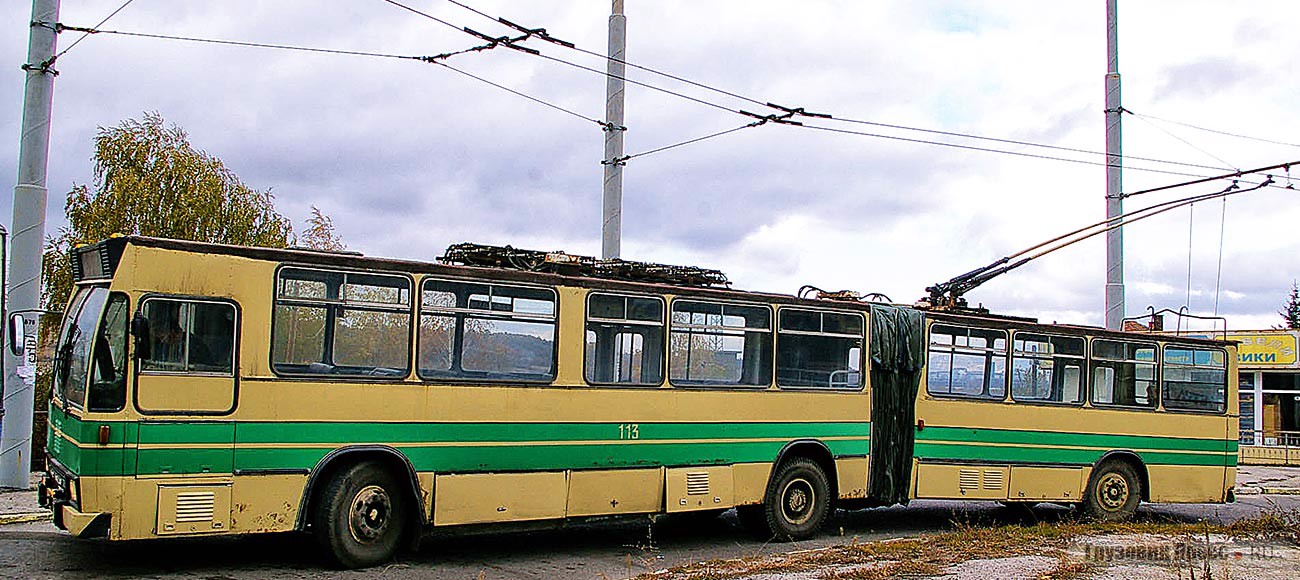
185 384
897 356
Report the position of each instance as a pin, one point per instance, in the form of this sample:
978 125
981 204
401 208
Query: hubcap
1112 491
369 516
797 501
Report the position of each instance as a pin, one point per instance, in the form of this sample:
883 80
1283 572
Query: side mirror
140 332
17 334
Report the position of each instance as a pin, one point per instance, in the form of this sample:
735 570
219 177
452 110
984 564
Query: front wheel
1114 491
361 515
797 501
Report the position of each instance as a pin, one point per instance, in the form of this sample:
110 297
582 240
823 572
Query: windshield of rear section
72 356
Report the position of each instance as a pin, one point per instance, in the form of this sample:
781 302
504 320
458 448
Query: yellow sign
1265 349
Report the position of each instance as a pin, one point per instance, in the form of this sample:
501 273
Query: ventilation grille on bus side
968 479
195 506
697 483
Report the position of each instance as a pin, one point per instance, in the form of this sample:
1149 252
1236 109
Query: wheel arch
1133 460
343 457
818 452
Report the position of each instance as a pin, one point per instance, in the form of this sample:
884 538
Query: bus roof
353 260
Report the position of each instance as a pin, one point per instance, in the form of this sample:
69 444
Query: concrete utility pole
1114 175
611 230
28 241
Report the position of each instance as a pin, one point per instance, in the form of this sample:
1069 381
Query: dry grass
1067 569
930 555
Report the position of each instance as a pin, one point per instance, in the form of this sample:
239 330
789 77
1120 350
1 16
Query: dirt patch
1267 546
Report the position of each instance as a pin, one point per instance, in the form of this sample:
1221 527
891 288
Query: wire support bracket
783 119
506 41
537 32
799 112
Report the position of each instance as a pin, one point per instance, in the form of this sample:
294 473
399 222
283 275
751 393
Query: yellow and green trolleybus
205 389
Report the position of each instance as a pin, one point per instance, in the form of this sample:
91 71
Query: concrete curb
6 519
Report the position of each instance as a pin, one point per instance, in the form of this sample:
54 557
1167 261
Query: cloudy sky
409 157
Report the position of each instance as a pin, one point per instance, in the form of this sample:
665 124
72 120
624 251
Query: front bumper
82 525
59 493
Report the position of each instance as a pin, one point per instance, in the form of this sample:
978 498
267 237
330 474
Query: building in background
1270 395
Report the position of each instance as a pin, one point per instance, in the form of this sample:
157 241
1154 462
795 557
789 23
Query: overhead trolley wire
763 103
992 150
242 43
435 59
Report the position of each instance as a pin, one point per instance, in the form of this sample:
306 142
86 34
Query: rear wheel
797 501
361 515
1113 492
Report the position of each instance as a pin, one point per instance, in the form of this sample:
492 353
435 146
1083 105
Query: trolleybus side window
716 344
189 336
967 362
819 349
483 331
1047 369
1195 379
108 379
625 340
1123 374
341 323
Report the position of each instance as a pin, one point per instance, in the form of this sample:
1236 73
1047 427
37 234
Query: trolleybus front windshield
72 358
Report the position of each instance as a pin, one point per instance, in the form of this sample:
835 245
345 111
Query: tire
797 501
1113 494
361 515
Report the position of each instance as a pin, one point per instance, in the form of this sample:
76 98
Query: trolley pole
1114 175
611 230
28 241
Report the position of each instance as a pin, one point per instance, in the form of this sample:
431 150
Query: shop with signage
1269 387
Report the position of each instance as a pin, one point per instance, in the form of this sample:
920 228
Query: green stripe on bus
1003 454
1009 436
397 433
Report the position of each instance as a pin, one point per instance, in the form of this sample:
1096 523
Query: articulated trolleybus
205 389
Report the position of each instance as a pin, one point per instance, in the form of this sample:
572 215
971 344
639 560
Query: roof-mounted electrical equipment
559 262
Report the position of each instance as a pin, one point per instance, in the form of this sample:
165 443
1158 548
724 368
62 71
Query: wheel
1113 492
361 516
797 501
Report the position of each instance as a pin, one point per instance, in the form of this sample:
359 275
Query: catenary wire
584 117
424 59
245 43
1186 142
991 150
512 91
840 119
84 35
687 142
1216 131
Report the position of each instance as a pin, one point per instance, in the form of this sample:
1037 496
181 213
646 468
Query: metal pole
27 243
1114 175
611 230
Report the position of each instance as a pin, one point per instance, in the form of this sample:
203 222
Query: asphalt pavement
30 546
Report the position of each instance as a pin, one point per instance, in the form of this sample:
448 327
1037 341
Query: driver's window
108 366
